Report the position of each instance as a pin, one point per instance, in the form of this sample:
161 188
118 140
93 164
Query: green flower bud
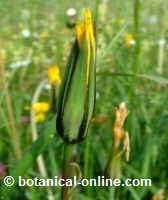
77 93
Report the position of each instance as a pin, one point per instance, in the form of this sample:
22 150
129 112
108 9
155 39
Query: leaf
159 79
29 158
107 50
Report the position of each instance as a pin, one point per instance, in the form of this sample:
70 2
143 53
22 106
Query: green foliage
35 35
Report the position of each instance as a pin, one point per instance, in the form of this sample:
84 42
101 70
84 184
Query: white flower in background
36 35
97 95
129 40
22 63
25 33
71 12
48 61
153 19
47 86
161 42
132 42
146 44
98 69
26 14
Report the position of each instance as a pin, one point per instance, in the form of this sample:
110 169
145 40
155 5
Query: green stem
53 98
137 50
97 3
87 156
112 193
136 63
68 154
161 50
14 132
40 159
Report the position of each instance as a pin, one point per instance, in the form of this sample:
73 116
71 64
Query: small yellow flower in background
129 40
41 107
100 119
27 108
44 35
54 75
120 21
40 117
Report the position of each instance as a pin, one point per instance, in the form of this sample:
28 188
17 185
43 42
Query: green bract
77 92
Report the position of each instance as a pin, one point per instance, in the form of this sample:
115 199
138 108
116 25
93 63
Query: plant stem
136 64
97 3
30 156
87 157
53 99
137 51
161 55
162 46
40 159
68 153
8 100
112 193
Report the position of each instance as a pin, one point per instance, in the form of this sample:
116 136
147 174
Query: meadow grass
131 68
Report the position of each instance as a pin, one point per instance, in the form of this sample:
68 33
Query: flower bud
77 92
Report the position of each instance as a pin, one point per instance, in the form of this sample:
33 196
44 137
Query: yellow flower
44 35
100 119
41 107
85 31
27 108
39 117
129 40
54 75
120 21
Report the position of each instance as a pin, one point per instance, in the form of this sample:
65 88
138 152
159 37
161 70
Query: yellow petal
40 117
54 75
41 107
80 33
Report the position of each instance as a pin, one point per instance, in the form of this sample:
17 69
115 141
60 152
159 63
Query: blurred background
132 46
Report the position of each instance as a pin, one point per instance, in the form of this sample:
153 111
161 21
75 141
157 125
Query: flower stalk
14 133
68 154
76 99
